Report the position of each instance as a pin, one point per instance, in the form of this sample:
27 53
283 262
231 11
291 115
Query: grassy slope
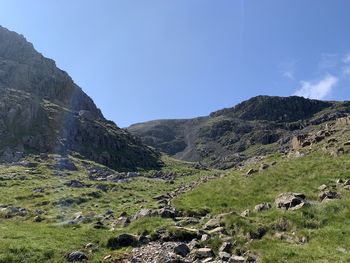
326 225
23 240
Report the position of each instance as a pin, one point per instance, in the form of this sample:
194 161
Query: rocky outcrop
43 110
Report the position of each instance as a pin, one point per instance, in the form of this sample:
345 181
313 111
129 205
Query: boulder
329 195
182 250
76 256
290 201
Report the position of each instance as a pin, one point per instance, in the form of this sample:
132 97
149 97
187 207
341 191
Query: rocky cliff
43 110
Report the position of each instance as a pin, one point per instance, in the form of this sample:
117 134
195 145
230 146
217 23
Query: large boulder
290 201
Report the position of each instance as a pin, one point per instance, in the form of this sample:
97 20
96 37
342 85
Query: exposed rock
65 164
250 172
182 250
224 256
290 201
263 167
322 187
245 213
262 207
76 256
202 253
225 247
328 195
212 223
43 110
257 234
167 212
144 212
236 259
75 184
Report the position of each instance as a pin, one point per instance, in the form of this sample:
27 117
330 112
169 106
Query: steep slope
43 110
259 125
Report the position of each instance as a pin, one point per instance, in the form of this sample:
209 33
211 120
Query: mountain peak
274 108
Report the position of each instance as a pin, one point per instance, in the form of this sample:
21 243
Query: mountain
260 125
43 110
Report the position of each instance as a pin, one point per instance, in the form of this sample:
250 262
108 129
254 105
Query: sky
154 59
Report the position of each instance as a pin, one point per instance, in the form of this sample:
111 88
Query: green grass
326 225
23 240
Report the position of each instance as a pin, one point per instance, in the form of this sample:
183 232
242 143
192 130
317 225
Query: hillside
42 110
284 207
254 127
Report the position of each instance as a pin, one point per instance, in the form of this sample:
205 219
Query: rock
194 244
76 256
75 184
225 247
123 240
236 259
184 234
65 164
202 253
322 187
224 256
167 212
216 230
212 223
257 234
250 172
263 167
182 250
328 195
205 238
245 213
262 207
347 182
290 201
142 213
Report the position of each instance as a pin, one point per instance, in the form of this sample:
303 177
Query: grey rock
76 256
182 250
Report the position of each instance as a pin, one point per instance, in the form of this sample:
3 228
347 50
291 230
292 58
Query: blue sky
150 59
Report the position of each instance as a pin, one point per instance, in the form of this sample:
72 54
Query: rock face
43 110
219 140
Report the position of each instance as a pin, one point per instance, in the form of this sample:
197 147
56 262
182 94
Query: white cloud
288 69
317 90
288 74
